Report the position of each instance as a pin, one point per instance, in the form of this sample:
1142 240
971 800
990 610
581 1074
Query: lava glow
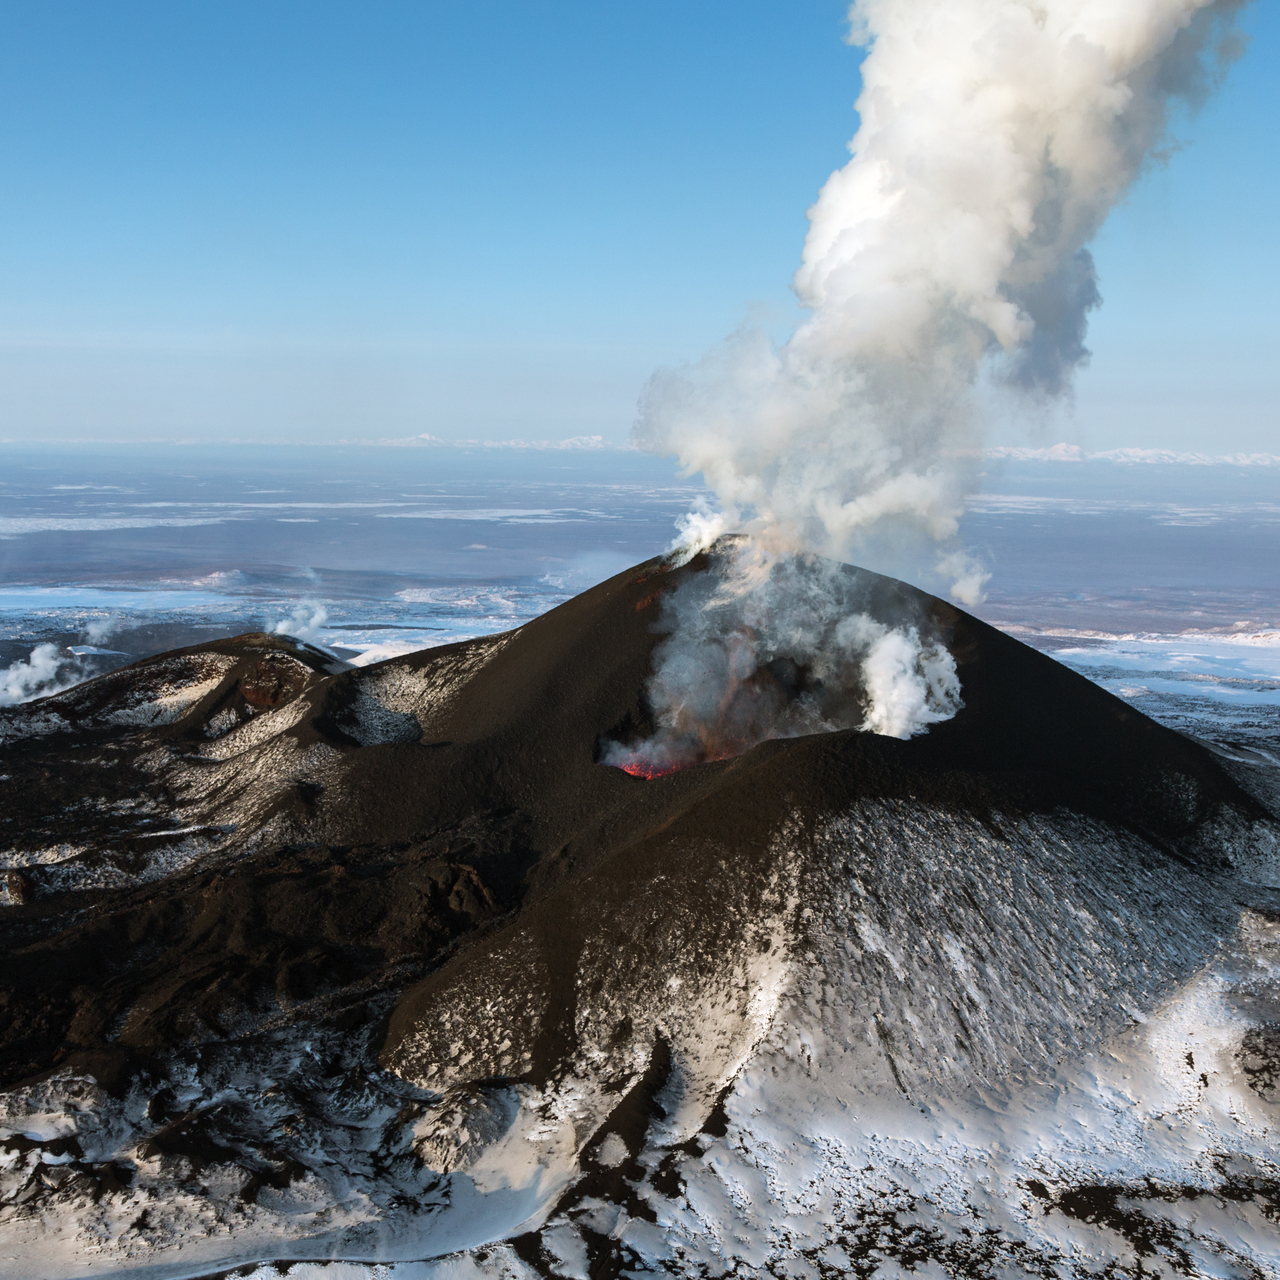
640 765
648 769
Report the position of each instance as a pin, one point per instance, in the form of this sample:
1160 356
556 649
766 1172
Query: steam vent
304 961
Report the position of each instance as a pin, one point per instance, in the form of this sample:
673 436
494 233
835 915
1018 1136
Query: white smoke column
995 137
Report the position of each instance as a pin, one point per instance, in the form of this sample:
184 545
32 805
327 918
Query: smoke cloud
995 137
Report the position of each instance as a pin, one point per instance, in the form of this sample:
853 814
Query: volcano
306 961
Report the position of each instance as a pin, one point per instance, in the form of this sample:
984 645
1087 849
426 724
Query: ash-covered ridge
307 961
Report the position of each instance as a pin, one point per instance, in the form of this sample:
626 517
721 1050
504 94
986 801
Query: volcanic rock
310 961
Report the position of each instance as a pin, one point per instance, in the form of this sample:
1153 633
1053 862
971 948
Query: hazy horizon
312 223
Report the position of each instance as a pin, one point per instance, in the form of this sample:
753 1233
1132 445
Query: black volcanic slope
419 870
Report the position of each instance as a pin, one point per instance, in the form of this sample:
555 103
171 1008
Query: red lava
639 769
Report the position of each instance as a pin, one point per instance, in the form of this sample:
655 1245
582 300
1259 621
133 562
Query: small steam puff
995 137
909 685
100 628
761 647
304 623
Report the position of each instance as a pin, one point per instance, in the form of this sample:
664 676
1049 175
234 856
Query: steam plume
46 670
101 628
304 623
995 137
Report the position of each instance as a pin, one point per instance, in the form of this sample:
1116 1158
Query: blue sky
311 221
